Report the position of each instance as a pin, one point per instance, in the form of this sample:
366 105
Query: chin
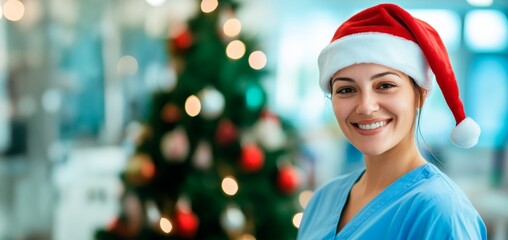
372 149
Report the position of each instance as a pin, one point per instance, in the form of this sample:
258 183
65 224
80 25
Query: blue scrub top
422 204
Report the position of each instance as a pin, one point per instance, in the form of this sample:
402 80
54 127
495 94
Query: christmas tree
211 161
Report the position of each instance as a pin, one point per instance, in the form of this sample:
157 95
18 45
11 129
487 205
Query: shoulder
445 211
441 196
439 189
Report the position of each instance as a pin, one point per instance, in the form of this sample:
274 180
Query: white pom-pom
466 133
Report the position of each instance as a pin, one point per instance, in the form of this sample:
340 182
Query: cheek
342 110
403 105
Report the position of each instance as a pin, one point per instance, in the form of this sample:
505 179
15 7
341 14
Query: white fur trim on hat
372 47
466 133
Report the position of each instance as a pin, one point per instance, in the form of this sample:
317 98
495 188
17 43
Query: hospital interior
203 119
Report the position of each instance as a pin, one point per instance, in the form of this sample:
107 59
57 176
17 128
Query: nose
367 104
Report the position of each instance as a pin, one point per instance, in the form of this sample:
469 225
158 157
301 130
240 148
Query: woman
378 70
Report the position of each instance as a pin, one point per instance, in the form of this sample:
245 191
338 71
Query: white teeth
371 126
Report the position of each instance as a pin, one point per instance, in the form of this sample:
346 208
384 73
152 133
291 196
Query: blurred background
105 106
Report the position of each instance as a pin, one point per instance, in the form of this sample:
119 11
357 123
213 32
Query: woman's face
375 107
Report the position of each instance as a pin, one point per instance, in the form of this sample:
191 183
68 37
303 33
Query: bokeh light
304 198
165 225
152 212
254 96
481 38
183 203
160 77
257 60
232 27
447 23
156 3
14 10
247 237
52 100
297 219
148 169
229 186
208 6
192 106
233 219
235 49
480 3
127 66
212 102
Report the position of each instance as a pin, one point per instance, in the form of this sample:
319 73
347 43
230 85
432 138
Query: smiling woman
375 106
377 70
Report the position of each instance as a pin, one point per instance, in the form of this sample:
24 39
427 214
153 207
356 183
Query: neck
384 169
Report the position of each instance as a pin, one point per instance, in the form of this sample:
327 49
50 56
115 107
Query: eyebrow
379 75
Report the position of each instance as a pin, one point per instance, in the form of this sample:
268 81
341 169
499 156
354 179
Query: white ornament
212 102
175 145
269 134
152 212
202 158
183 204
160 77
232 219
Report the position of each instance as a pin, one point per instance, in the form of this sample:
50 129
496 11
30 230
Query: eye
344 90
386 85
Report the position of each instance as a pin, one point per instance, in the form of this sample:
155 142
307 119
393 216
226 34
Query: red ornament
114 225
187 223
148 170
140 169
267 114
252 158
182 41
226 133
288 179
170 113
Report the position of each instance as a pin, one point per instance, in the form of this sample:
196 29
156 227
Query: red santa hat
388 35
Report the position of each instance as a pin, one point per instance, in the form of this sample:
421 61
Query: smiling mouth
371 126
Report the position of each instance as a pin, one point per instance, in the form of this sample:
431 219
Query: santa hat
388 35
